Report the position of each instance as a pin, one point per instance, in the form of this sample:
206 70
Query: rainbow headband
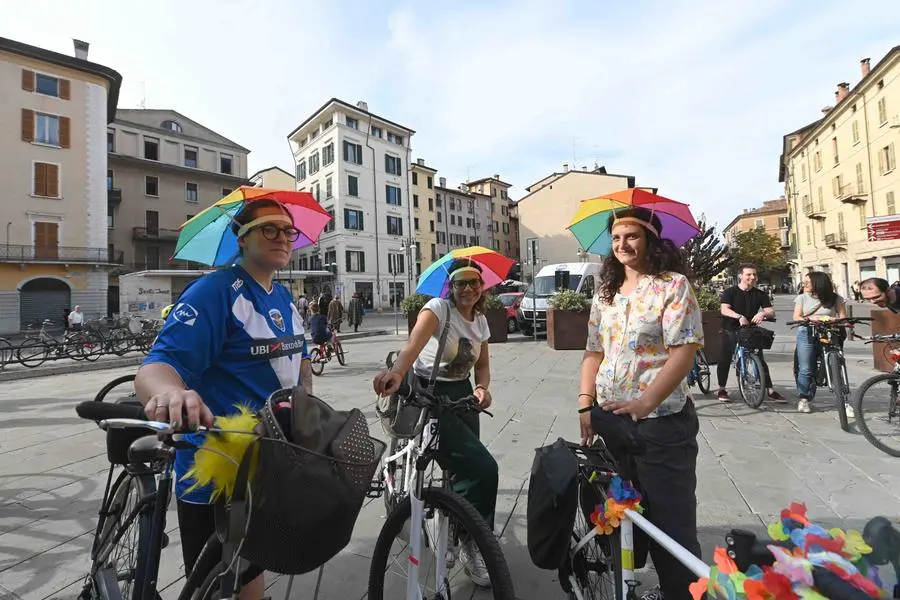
263 219
636 221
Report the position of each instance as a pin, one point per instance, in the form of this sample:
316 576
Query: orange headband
636 221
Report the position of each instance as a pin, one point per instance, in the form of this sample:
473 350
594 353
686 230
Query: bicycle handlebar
417 396
843 322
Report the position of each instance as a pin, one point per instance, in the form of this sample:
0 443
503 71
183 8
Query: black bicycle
831 368
878 401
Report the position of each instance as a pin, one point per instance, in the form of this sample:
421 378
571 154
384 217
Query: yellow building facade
424 227
841 179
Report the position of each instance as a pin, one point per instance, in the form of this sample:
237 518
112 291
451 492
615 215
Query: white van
582 278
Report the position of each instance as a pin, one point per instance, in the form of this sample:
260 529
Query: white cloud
692 96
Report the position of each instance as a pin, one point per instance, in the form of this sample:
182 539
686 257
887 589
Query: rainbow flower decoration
621 496
800 547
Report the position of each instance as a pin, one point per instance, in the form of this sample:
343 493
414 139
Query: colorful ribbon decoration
621 497
791 576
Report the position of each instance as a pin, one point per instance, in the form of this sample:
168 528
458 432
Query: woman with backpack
818 300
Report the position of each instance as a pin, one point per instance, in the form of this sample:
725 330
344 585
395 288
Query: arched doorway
43 298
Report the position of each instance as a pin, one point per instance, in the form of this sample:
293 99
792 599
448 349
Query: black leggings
196 524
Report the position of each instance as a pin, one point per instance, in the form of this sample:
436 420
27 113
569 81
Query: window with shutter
27 125
27 80
46 180
65 89
46 240
53 181
65 132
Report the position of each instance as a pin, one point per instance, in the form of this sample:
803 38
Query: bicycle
323 353
867 396
699 373
39 346
831 368
410 503
748 362
146 450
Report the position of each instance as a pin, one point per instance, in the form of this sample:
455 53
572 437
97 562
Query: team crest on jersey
185 313
277 319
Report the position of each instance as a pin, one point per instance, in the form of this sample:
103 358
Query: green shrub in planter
569 300
708 298
411 305
492 302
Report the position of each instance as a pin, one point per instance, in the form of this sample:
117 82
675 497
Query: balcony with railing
114 195
836 240
813 211
16 253
853 193
151 234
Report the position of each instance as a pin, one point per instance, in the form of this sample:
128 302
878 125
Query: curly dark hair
465 262
662 255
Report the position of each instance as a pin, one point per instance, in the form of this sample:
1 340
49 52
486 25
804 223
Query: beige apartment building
53 113
549 205
163 169
841 180
772 217
499 218
274 178
463 218
422 178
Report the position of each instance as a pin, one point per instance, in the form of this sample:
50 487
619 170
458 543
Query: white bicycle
429 517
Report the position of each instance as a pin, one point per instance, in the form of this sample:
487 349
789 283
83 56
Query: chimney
442 181
81 49
827 109
842 92
496 176
584 168
362 106
420 161
864 67
565 167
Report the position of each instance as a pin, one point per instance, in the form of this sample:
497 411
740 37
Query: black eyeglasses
270 232
462 284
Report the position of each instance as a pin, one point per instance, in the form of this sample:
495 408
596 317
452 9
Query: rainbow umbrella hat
435 280
208 238
592 223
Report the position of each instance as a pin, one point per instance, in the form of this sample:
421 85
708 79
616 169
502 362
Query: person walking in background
76 319
355 311
335 314
303 309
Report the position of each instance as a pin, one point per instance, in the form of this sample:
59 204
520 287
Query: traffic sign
883 228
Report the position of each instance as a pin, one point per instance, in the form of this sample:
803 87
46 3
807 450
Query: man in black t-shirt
742 305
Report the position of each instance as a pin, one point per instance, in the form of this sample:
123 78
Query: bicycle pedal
376 489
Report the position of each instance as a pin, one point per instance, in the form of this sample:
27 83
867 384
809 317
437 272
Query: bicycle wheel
878 412
7 353
339 352
839 387
385 582
33 353
118 381
703 373
317 361
121 560
750 383
598 565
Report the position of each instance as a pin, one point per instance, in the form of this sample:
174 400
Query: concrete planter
566 329
497 321
712 343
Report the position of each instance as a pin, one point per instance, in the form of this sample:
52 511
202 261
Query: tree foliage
706 254
760 248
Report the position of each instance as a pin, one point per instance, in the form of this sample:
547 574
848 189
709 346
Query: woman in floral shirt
644 331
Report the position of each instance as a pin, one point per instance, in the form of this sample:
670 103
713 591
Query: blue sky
691 96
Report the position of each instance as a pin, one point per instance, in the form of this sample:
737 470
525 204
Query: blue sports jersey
232 343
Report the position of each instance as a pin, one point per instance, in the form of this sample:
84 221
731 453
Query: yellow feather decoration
211 467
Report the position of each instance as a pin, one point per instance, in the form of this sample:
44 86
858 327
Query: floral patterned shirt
635 332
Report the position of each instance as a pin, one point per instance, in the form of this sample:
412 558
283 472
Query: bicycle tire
33 360
466 514
339 352
316 362
752 400
860 411
7 353
146 485
201 581
703 372
578 565
106 389
841 393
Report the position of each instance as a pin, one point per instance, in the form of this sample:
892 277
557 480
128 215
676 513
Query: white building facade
357 166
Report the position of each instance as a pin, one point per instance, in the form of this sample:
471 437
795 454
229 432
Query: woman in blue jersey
233 337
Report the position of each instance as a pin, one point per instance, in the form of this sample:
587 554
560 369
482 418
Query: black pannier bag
552 504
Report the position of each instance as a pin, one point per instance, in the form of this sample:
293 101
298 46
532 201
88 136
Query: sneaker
476 569
723 396
803 406
849 411
777 397
653 593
